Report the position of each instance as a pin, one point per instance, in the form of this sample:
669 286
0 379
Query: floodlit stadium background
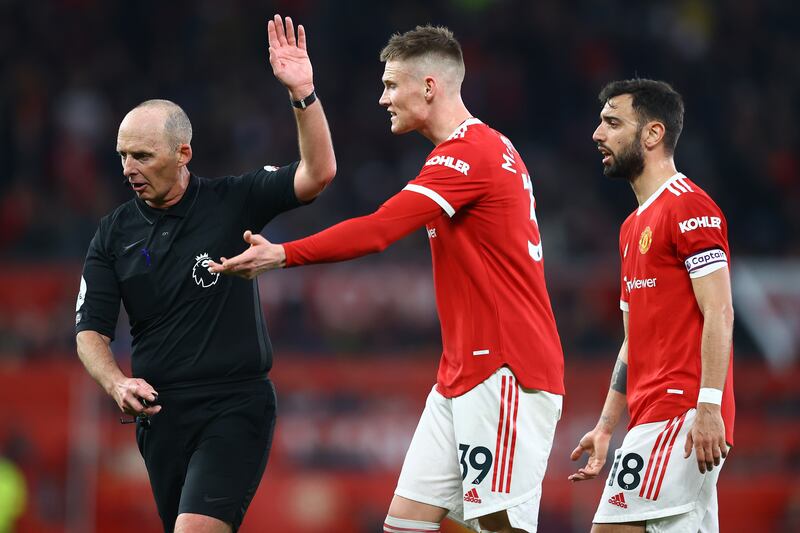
356 344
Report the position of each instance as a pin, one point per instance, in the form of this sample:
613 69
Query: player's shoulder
471 135
471 142
690 208
680 190
461 151
468 130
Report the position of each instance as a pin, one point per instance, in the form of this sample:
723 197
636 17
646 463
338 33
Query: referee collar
181 209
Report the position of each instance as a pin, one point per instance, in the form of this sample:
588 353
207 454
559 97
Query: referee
204 406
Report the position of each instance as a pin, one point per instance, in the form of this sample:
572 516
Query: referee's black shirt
189 326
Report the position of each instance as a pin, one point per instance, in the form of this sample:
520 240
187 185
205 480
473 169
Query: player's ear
653 133
430 88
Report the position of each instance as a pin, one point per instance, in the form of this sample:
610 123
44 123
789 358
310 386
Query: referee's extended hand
260 257
128 394
289 57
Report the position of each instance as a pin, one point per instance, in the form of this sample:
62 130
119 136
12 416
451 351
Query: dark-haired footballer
675 367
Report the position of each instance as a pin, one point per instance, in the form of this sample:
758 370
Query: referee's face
151 165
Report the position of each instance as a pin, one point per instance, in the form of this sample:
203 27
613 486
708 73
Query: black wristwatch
305 102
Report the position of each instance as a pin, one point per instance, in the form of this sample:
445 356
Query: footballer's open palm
261 256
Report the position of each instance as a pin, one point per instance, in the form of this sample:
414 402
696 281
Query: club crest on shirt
645 240
201 274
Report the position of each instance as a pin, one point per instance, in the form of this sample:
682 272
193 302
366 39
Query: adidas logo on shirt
472 496
618 500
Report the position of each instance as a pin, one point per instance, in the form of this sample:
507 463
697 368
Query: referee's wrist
302 98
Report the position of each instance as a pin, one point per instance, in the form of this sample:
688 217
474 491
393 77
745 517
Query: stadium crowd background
71 69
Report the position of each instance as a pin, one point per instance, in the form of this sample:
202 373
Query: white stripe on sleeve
433 195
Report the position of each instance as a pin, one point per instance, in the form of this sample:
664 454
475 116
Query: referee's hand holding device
135 397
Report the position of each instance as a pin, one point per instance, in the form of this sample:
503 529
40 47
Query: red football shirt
487 264
678 234
488 275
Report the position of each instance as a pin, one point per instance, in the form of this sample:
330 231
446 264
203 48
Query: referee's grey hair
177 127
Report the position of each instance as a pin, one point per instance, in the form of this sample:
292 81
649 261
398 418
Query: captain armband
705 262
619 378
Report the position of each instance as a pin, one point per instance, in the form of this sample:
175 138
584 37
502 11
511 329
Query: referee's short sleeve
271 193
97 308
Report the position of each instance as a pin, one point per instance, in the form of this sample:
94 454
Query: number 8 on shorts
650 479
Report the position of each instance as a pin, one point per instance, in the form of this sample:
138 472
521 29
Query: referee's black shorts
206 451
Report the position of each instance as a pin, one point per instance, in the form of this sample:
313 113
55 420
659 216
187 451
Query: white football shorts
650 480
483 452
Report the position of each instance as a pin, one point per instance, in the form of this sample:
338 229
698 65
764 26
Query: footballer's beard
628 164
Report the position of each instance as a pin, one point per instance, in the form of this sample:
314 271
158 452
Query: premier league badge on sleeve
81 295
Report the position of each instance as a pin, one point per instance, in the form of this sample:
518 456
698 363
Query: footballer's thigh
482 452
650 481
504 434
430 473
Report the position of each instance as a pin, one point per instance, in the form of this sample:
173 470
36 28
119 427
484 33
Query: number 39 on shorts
475 460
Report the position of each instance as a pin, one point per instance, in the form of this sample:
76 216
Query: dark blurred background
356 344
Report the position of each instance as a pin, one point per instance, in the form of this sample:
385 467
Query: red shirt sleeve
701 234
451 174
397 217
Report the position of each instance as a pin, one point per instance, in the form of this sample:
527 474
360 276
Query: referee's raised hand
289 57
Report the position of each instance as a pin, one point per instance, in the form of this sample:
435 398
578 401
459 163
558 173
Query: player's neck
655 174
444 121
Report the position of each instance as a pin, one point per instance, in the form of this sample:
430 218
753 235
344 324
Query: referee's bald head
177 128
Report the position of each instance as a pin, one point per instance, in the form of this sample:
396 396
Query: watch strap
305 102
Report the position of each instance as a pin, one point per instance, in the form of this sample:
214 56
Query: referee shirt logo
200 273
